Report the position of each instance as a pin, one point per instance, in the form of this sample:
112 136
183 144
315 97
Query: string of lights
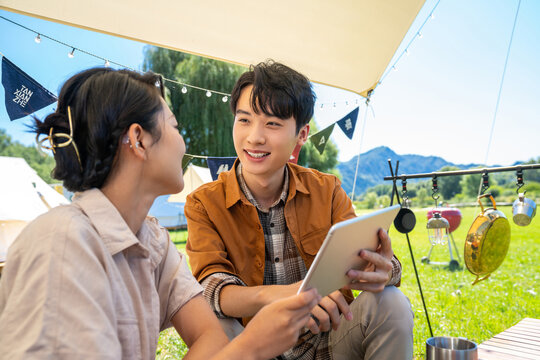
407 51
108 62
329 105
390 69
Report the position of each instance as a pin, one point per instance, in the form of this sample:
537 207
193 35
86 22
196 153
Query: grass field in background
455 307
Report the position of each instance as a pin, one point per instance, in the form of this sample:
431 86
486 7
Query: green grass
456 308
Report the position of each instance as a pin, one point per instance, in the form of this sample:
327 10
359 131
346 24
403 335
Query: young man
255 231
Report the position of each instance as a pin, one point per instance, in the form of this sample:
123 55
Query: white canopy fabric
343 43
194 177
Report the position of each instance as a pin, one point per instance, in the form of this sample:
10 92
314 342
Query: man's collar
247 192
108 222
233 193
295 184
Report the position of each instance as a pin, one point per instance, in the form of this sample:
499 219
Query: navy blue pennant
24 95
219 164
348 123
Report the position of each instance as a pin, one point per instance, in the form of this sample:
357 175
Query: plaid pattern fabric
283 266
212 287
396 272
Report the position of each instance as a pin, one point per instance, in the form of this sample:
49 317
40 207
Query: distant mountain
373 167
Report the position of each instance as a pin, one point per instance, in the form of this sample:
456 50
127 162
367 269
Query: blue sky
440 101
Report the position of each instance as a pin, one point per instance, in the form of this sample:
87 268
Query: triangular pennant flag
24 95
294 156
219 164
320 139
185 161
348 123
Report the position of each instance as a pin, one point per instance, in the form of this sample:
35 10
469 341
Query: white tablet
339 251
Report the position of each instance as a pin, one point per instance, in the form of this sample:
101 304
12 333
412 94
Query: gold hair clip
53 145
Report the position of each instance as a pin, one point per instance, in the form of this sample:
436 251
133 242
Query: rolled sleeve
213 285
396 272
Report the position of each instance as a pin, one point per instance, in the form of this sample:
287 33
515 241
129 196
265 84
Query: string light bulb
224 99
71 54
184 89
38 39
407 52
432 16
107 64
208 93
420 35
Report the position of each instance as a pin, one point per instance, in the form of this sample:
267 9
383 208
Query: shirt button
271 224
276 259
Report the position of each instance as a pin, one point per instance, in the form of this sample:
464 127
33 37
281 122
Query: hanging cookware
487 241
405 220
523 210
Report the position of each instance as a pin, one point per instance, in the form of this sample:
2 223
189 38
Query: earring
137 144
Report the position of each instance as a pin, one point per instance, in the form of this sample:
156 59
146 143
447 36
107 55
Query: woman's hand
276 327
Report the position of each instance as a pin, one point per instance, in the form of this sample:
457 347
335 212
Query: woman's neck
132 205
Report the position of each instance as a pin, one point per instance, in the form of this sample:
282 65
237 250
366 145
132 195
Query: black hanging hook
435 190
404 195
519 182
485 183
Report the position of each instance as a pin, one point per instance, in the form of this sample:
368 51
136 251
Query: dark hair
278 91
103 103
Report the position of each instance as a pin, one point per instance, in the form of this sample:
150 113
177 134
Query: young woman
98 279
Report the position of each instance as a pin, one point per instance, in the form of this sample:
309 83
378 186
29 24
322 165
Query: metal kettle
487 241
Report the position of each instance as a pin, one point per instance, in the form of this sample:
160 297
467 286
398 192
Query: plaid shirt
283 266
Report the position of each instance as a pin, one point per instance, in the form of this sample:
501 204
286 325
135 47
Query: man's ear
303 135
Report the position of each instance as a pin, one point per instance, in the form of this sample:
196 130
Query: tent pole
394 191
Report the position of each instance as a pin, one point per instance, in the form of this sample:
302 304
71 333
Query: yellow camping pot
487 241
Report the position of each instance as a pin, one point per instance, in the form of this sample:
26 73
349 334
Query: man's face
263 143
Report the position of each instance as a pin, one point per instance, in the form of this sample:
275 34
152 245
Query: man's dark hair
277 91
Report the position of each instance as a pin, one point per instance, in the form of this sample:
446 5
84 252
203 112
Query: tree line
40 162
206 122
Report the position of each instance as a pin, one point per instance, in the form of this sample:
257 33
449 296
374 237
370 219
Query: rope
360 145
393 67
107 60
502 82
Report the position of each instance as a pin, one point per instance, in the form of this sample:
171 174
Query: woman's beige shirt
78 284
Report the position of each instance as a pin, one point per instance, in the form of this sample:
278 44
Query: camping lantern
437 228
441 223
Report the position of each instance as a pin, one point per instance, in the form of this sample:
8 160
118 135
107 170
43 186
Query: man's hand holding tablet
356 254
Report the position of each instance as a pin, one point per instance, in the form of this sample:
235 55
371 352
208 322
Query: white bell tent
194 177
24 196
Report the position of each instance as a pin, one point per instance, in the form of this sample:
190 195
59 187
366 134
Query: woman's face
165 155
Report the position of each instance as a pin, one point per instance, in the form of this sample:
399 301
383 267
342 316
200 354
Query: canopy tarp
343 43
